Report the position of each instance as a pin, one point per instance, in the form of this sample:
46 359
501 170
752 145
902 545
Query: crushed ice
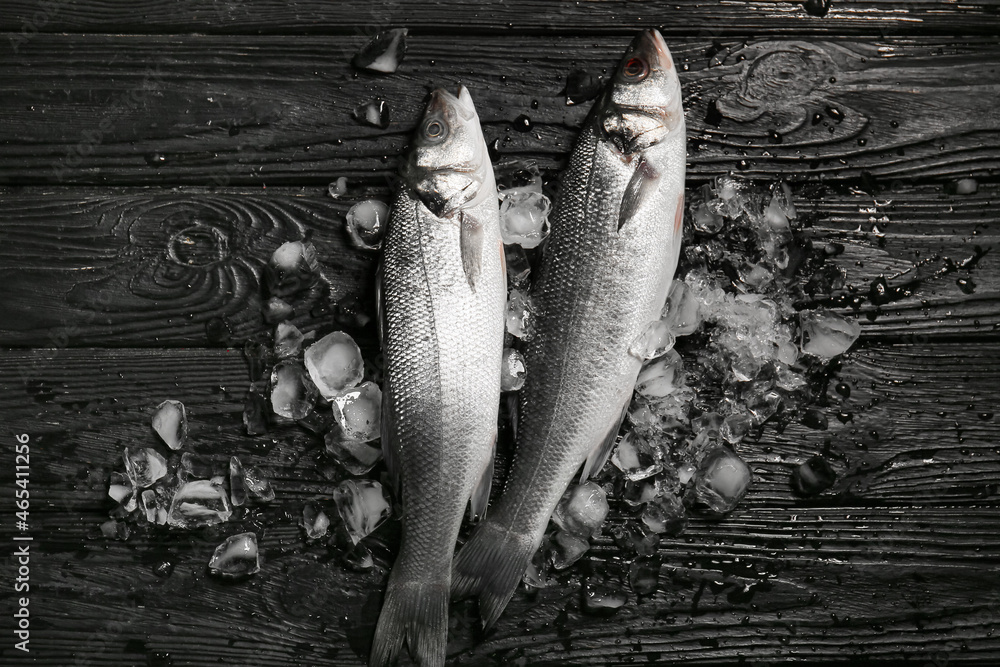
383 53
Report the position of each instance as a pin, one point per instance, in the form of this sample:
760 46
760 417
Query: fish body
605 275
441 300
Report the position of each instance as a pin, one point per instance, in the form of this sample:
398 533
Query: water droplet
522 123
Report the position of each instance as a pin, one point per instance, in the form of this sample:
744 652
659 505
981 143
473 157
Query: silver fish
442 297
615 240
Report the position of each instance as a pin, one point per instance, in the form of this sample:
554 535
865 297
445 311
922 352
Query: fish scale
605 275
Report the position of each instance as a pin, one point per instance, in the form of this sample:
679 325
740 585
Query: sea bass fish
442 298
613 250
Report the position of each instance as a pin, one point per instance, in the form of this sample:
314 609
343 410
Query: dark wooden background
123 124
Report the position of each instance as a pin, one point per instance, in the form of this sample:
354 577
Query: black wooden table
126 127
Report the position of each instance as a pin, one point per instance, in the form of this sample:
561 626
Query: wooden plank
219 110
898 561
110 267
683 17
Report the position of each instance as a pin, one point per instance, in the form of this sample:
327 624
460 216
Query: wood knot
776 78
198 245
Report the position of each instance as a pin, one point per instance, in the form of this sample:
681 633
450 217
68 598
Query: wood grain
682 17
219 110
897 560
152 267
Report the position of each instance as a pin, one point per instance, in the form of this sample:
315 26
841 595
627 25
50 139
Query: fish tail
490 566
417 612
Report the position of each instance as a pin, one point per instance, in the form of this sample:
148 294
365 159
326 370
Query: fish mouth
650 45
442 101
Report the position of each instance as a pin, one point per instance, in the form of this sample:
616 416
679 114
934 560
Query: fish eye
435 130
635 69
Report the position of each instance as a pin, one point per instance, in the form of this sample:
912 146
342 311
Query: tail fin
491 565
416 612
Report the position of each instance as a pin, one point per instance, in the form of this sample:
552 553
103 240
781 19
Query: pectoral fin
471 239
379 312
602 451
640 188
481 494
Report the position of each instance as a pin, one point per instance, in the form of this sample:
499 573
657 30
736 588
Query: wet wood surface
152 157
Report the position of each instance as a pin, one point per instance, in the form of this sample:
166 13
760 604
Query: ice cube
632 538
338 188
334 363
255 412
567 549
315 522
115 530
170 423
706 220
277 310
826 334
734 427
358 558
786 352
144 466
520 315
635 458
122 491
236 558
358 412
287 341
660 378
644 575
365 223
639 493
237 482
383 53
602 599
524 216
293 395
293 267
813 477
257 485
654 341
518 267
362 505
536 575
665 514
681 310
150 505
582 510
685 473
512 370
356 457
721 481
374 113
763 405
199 503
776 215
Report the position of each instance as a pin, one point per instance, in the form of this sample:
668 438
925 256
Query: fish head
448 164
642 104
